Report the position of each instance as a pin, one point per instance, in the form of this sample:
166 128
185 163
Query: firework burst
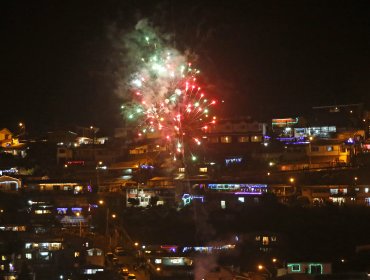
166 97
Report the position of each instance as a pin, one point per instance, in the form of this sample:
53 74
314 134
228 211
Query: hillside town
77 204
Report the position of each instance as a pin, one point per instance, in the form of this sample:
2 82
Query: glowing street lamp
291 179
262 267
78 214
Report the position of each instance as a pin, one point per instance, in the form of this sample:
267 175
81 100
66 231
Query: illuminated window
213 139
182 169
243 139
241 199
333 191
367 201
258 238
3 258
265 240
256 139
223 204
29 256
295 267
203 169
77 189
329 148
366 190
77 254
225 139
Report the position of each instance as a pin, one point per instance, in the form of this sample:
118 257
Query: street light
262 267
78 214
309 151
22 128
291 179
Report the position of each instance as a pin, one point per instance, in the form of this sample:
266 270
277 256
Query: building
337 194
10 144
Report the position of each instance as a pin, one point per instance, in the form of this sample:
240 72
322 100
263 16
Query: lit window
329 148
225 139
273 238
366 190
203 169
241 199
265 240
256 139
29 256
243 139
258 238
77 254
182 169
295 267
3 258
333 191
223 204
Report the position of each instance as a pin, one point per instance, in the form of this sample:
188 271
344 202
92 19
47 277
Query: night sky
264 58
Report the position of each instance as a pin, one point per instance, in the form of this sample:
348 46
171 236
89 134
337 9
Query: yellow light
158 269
311 138
101 202
100 162
260 267
274 260
136 244
78 214
291 180
20 124
114 216
268 173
